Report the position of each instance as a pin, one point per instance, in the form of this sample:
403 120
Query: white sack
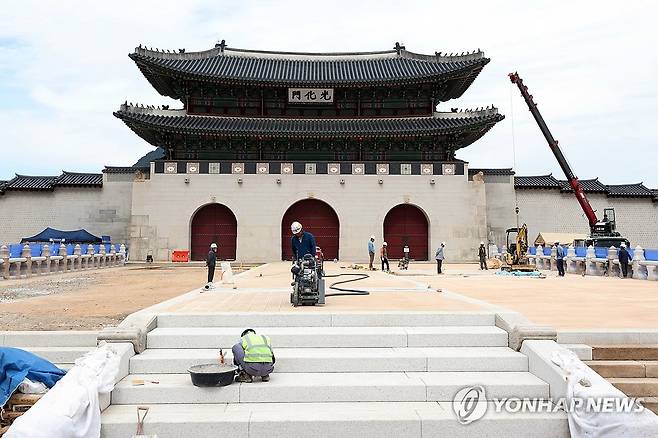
584 424
71 408
29 387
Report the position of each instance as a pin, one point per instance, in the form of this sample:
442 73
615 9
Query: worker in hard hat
482 254
254 357
211 262
303 242
440 256
383 254
559 258
371 252
624 257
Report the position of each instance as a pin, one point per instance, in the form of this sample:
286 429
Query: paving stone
636 387
617 368
60 338
651 368
625 352
60 354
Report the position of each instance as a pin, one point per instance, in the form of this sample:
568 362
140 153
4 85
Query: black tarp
76 236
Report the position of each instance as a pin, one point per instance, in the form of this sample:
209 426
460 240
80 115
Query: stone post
553 260
27 255
590 266
538 260
612 269
91 259
639 271
77 251
62 252
102 251
4 256
122 252
569 260
45 251
493 251
113 255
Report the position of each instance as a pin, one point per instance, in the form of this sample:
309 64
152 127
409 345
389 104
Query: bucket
212 374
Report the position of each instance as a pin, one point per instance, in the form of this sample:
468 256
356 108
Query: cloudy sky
591 67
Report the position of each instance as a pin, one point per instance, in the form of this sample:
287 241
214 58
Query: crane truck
602 232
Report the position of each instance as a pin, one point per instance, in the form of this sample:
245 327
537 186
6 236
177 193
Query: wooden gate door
214 223
319 219
406 225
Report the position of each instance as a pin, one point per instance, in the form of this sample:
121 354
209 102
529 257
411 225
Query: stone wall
163 207
553 211
101 211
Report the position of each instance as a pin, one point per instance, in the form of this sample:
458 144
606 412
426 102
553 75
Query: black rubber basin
212 374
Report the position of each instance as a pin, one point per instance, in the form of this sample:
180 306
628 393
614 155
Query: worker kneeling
254 357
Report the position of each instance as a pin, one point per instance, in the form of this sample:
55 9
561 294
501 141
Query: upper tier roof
142 120
48 183
251 67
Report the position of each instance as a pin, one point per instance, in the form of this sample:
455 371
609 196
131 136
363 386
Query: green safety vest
257 348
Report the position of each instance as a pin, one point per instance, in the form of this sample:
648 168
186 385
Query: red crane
602 233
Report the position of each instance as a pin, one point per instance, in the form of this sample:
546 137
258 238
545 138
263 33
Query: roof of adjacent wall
505 171
177 121
255 67
48 183
637 190
123 169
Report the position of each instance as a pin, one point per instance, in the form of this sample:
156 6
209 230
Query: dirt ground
90 300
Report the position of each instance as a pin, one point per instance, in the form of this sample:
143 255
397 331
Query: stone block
133 335
617 368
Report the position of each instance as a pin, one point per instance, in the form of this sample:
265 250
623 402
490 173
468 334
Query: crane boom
553 144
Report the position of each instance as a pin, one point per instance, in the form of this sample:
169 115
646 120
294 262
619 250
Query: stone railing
60 261
593 264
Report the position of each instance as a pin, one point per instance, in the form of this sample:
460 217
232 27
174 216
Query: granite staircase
344 374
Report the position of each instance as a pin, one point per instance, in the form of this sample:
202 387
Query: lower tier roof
147 121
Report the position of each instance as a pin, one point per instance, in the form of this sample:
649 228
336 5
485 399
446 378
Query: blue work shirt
559 251
307 245
371 246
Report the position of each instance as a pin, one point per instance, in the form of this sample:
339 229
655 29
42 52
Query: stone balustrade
595 264
57 259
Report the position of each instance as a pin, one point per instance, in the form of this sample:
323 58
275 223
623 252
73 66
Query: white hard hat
372 237
556 242
296 227
623 245
481 243
213 245
384 243
443 243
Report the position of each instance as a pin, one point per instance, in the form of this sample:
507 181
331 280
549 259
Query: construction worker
482 254
559 258
254 357
371 252
383 254
624 257
303 242
439 256
211 261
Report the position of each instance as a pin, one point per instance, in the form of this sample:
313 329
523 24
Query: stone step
624 368
304 360
636 387
224 337
60 338
61 355
625 352
584 352
329 387
324 420
318 318
651 403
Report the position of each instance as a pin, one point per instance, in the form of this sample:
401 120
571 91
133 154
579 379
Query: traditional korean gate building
349 144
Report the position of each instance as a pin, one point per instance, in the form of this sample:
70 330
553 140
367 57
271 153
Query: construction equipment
602 232
516 257
308 287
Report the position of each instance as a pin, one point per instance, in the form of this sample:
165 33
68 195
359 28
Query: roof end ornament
221 46
399 47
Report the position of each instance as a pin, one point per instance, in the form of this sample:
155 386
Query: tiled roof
79 179
588 185
629 190
122 169
475 170
26 182
536 182
177 121
655 194
228 65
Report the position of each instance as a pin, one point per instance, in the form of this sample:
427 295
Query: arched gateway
214 223
319 219
406 224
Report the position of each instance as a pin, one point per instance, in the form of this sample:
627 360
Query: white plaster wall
101 211
500 206
162 209
551 210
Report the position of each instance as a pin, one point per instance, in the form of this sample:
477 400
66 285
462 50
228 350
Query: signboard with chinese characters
310 95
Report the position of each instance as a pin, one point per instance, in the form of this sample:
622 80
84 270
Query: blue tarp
16 365
77 236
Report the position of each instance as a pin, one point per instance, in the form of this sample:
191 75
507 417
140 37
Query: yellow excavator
516 257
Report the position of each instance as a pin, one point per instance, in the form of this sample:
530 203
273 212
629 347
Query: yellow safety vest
257 348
